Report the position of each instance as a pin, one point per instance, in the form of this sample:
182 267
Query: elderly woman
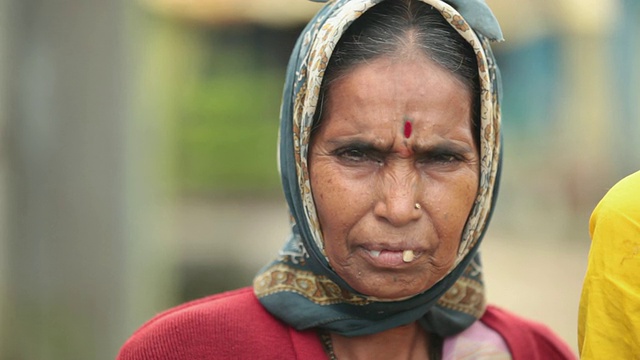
390 158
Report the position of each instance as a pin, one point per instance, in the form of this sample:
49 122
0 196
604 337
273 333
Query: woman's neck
404 342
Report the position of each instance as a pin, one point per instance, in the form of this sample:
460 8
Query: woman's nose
399 200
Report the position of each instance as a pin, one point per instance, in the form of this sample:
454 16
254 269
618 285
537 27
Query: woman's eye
357 155
443 158
352 154
446 158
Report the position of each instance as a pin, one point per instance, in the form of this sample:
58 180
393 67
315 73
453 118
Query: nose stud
417 206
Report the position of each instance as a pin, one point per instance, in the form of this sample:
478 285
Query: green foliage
227 133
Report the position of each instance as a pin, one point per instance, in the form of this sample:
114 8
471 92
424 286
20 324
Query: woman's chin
388 291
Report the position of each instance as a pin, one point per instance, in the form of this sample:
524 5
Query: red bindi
407 129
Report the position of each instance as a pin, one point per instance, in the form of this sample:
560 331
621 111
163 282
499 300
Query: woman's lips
392 257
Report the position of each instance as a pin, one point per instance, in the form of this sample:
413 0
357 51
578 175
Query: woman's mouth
392 257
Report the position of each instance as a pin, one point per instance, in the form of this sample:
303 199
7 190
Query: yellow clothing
609 314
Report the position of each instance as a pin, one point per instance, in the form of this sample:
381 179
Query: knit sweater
234 325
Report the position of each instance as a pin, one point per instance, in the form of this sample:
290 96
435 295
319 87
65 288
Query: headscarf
299 286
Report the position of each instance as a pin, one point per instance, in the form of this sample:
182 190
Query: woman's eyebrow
441 146
359 143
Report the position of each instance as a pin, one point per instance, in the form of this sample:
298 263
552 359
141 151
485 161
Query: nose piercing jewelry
417 206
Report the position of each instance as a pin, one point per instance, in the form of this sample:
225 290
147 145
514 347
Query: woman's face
394 173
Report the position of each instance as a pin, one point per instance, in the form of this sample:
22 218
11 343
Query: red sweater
234 325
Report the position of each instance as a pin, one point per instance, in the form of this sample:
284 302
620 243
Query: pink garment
477 342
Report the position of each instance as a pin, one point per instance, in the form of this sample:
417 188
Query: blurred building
219 13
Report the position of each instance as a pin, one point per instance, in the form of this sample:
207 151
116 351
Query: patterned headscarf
299 286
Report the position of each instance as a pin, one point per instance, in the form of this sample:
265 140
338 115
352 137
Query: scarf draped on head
299 287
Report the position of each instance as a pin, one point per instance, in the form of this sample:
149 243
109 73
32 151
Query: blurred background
138 157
